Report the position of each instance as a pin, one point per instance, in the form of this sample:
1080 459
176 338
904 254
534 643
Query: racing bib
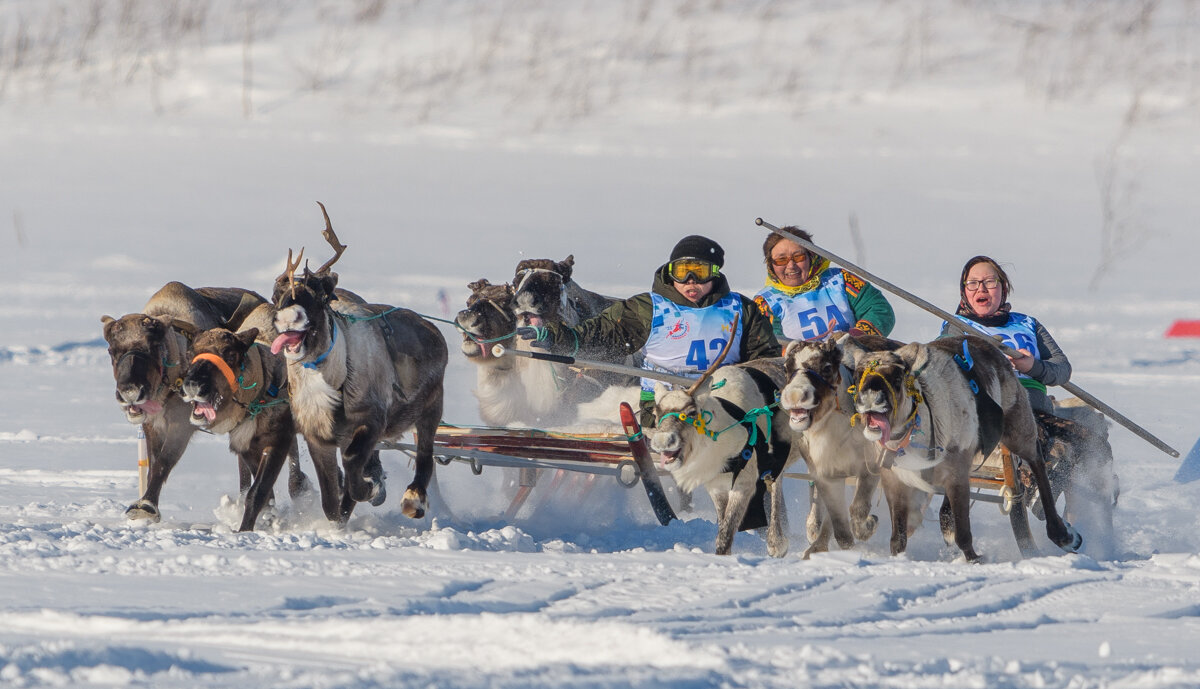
685 341
807 315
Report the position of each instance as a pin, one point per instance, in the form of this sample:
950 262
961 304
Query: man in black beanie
680 325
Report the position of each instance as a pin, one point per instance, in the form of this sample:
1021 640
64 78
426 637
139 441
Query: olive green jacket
623 328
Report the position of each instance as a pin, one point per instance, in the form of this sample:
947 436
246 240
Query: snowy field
188 140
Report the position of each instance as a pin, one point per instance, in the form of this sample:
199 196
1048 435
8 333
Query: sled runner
532 451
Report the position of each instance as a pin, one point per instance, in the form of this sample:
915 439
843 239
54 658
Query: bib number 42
698 352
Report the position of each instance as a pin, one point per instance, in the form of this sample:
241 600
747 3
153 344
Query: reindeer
357 374
739 461
517 390
960 396
818 405
545 293
237 386
148 351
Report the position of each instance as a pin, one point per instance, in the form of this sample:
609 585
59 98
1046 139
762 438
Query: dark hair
774 238
1005 283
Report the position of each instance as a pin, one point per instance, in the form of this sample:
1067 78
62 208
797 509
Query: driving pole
913 299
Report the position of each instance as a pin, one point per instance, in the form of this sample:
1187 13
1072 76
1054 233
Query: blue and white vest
685 341
1019 333
806 316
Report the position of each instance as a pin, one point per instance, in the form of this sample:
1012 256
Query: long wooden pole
1070 387
501 351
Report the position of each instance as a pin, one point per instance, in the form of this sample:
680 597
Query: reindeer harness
237 383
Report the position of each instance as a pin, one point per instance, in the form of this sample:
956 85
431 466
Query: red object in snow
1183 329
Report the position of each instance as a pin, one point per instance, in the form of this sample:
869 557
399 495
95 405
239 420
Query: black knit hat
703 248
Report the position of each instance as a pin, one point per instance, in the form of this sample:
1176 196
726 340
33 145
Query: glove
537 335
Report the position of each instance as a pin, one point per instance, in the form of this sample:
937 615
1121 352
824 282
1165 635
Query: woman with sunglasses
680 326
807 299
983 304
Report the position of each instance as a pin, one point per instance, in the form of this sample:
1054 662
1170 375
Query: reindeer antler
290 271
331 237
728 343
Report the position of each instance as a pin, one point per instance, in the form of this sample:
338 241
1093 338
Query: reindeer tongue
880 421
288 339
207 410
150 407
536 321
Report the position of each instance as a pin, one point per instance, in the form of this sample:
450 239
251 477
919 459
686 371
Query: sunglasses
700 271
797 258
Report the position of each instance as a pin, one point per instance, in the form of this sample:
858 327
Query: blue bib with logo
1018 333
807 315
685 341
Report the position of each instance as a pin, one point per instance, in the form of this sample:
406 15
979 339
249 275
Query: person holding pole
680 326
983 304
806 298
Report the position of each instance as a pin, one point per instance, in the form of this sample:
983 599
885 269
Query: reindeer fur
696 460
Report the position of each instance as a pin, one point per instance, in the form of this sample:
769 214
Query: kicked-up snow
147 142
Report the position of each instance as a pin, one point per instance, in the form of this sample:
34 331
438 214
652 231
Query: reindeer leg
958 493
832 492
946 520
862 522
270 464
167 440
897 494
812 525
329 479
818 539
355 458
1060 532
416 495
298 483
777 527
720 499
739 502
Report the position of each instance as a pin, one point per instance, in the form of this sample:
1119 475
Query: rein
910 388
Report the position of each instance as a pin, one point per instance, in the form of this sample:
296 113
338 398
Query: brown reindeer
237 386
357 374
148 351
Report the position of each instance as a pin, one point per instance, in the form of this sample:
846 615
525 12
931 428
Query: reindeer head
814 377
884 388
218 358
540 291
486 318
137 346
301 302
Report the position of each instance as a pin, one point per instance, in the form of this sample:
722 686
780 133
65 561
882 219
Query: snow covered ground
149 141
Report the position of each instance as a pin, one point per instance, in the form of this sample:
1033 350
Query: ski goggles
691 268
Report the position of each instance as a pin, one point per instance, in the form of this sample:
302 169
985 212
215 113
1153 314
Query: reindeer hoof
380 494
864 530
413 506
143 509
1074 540
298 484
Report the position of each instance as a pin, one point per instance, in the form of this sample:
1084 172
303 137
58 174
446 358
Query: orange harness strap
222 367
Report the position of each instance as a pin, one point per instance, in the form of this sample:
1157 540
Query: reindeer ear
915 355
247 337
852 351
565 267
107 319
660 390
478 285
791 346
